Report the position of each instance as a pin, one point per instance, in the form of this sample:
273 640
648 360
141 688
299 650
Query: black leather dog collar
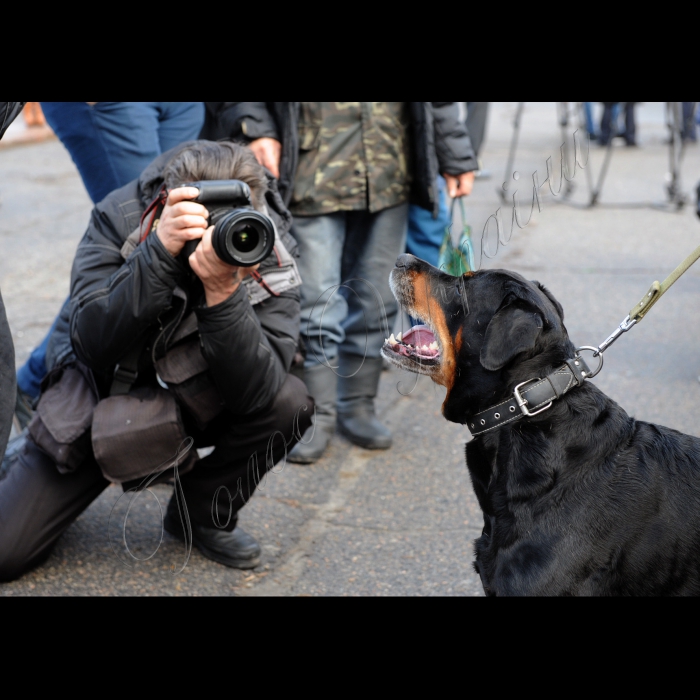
537 396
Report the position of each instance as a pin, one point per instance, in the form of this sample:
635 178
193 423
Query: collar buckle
522 401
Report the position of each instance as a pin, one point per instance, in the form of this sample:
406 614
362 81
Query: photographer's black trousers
37 503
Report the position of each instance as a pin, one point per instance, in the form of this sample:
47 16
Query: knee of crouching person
293 408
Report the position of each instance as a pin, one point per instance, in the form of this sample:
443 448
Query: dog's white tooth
392 340
425 347
433 345
398 337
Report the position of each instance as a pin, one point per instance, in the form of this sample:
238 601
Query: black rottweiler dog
578 497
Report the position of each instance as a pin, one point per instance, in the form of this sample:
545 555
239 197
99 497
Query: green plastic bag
456 260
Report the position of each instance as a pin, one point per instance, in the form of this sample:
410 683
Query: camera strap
127 371
152 210
261 281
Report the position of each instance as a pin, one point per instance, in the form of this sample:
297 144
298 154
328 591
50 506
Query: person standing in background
112 142
349 170
609 127
426 232
477 118
689 128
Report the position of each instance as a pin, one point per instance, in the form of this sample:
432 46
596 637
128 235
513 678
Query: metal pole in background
513 146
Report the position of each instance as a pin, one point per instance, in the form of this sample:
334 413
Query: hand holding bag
456 260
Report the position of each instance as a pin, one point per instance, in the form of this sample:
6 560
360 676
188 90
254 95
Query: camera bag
61 423
138 432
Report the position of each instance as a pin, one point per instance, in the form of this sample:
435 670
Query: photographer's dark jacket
439 140
117 305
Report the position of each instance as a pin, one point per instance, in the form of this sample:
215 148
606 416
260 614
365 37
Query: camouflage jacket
352 155
438 140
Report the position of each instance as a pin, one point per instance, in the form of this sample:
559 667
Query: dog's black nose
404 260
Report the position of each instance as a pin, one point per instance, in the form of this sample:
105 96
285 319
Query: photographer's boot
236 549
356 418
321 382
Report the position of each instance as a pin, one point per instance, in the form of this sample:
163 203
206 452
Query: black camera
242 236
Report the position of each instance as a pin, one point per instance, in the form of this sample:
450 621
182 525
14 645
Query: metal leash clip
622 328
598 352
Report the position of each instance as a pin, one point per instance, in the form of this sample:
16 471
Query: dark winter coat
116 304
440 140
8 113
8 385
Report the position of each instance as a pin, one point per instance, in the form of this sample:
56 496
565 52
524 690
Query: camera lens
246 239
243 237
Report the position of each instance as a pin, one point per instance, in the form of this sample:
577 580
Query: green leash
638 312
657 290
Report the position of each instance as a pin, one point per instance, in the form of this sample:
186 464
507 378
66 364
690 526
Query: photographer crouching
183 322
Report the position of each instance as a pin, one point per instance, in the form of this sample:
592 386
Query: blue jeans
425 234
588 113
30 374
111 143
351 248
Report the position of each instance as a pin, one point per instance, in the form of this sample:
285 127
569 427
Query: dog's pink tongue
419 336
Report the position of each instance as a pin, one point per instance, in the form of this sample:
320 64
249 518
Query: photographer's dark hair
217 160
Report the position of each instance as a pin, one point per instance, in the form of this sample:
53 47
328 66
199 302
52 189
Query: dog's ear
514 329
550 296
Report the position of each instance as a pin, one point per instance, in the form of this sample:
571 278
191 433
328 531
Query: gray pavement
399 522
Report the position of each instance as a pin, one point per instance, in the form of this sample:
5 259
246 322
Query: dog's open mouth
418 344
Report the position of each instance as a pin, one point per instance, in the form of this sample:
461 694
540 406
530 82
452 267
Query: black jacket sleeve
115 302
452 143
8 113
239 121
8 386
249 350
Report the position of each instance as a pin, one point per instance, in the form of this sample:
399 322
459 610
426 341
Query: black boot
321 382
236 549
356 417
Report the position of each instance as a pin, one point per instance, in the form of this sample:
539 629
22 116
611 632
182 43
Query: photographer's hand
268 152
220 279
459 185
181 220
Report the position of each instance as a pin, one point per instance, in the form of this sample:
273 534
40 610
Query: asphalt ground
399 522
